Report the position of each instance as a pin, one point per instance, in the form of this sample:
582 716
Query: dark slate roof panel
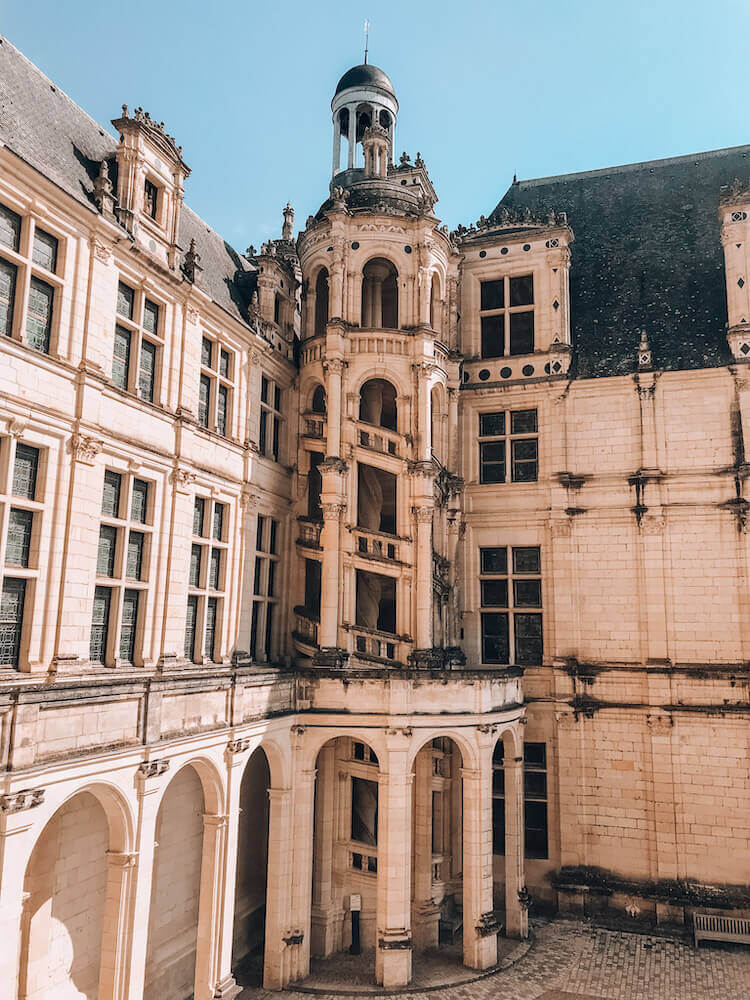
647 255
48 130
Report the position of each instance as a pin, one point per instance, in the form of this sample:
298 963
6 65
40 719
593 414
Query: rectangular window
536 835
506 588
10 228
196 553
100 624
11 620
134 562
214 572
270 419
212 609
224 364
191 624
264 588
39 315
204 400
139 501
218 522
207 352
25 471
20 525
105 560
498 449
125 300
150 198
121 357
147 371
111 493
199 515
507 316
150 317
129 625
221 410
8 274
44 252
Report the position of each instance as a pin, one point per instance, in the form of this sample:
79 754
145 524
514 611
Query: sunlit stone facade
378 584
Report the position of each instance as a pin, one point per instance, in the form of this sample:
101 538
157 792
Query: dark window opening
376 602
376 499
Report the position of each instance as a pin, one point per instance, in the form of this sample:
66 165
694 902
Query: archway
380 295
345 849
377 404
437 846
248 940
175 891
71 926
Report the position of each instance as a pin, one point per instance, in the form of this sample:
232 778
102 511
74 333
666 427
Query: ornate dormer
150 185
734 214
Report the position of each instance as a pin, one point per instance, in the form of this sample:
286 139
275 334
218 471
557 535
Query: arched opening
63 924
377 404
345 853
321 303
344 134
435 303
314 487
380 295
437 848
318 402
248 940
175 890
277 309
385 119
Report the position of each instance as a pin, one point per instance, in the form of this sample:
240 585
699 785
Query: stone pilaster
326 914
516 910
278 888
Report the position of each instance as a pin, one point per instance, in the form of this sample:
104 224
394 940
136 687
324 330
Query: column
278 887
149 781
453 429
298 939
210 908
423 631
480 925
394 943
376 301
329 587
426 911
113 970
224 985
352 135
16 845
516 909
336 145
326 915
334 369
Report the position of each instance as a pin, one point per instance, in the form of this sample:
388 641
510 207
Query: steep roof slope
44 127
647 255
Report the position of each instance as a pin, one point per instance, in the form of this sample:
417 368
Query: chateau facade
385 582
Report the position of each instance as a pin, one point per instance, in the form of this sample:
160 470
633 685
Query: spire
287 228
367 39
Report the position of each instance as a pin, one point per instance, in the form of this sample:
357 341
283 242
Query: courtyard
567 960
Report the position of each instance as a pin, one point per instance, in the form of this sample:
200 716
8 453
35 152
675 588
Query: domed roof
365 76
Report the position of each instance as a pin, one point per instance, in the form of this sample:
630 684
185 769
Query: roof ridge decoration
736 191
508 218
155 130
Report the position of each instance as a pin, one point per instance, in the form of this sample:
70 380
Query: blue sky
485 88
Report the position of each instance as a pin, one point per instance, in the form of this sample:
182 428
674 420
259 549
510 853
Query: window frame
123 525
515 614
217 382
509 440
529 798
139 333
27 270
506 312
264 620
271 419
202 593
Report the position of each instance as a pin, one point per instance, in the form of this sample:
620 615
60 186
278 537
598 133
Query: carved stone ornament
660 724
524 898
560 528
333 511
293 937
334 464
182 479
100 250
424 515
405 731
153 768
249 501
566 721
238 746
335 366
85 449
487 925
27 798
193 316
17 427
652 524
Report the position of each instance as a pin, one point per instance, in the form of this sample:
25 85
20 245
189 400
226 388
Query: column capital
279 794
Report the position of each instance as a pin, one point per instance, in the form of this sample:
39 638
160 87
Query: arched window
321 302
277 309
377 404
380 294
318 404
435 303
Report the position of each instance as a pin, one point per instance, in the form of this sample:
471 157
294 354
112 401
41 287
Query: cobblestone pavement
570 960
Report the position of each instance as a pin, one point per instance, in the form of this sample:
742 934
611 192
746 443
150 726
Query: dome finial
367 38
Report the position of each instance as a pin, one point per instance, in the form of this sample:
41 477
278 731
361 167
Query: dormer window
150 198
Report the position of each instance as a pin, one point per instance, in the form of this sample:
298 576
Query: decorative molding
238 746
423 515
17 427
26 798
183 479
333 511
85 449
153 768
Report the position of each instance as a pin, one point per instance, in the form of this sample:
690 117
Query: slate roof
365 75
44 127
647 255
